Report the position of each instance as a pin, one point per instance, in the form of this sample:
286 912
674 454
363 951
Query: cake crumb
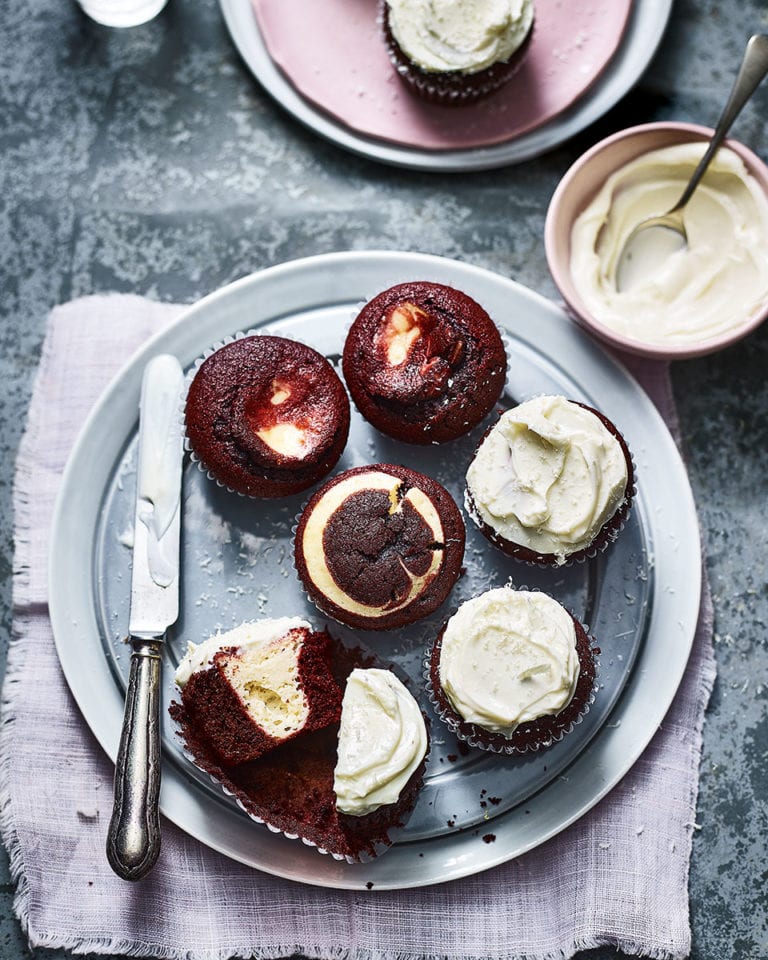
495 800
369 885
452 757
451 823
489 837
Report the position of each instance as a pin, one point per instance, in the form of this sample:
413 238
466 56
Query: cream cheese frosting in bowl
547 479
693 302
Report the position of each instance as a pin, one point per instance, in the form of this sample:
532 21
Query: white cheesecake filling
508 657
382 740
263 670
465 35
548 476
333 500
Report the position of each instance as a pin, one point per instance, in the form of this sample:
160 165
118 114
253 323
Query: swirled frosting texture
548 476
693 294
382 741
508 657
459 35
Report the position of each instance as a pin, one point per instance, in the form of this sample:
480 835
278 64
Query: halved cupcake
512 671
341 774
253 688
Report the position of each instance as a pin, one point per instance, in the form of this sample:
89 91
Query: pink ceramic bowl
579 186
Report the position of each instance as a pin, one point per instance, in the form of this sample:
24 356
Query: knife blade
133 838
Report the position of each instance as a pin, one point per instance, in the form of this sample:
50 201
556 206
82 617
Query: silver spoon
642 247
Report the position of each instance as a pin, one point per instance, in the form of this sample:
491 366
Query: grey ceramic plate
640 597
647 22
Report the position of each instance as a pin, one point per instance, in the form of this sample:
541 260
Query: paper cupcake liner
243 805
475 736
608 533
265 331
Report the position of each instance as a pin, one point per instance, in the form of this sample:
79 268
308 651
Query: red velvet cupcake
266 416
305 786
551 482
424 362
379 546
455 56
512 671
256 687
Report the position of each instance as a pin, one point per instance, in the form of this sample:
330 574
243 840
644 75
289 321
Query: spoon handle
753 68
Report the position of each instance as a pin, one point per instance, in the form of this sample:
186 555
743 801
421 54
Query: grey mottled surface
149 161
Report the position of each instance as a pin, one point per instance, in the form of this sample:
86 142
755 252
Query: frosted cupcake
454 52
512 671
551 482
262 712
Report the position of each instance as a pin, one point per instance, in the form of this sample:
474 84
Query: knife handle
133 839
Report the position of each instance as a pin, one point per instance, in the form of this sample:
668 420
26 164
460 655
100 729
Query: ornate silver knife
133 840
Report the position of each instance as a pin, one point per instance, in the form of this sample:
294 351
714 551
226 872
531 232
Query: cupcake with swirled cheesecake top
379 546
512 671
551 482
453 52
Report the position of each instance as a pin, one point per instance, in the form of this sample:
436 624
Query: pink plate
333 53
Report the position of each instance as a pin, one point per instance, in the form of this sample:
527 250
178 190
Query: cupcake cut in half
551 482
295 762
512 671
379 546
454 52
255 687
267 416
424 362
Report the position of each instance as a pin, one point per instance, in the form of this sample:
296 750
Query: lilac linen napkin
618 876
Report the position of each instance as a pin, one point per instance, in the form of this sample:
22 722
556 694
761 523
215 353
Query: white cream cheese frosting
508 657
382 741
333 500
547 476
459 35
694 293
264 672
